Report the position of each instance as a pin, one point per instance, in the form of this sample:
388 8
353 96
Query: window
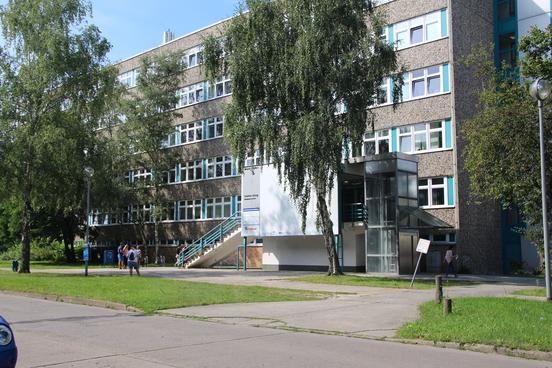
222 87
218 207
189 210
376 143
383 94
129 79
417 30
422 82
193 57
254 160
433 192
507 49
191 132
141 176
219 167
190 95
168 212
446 238
215 127
506 9
171 176
191 171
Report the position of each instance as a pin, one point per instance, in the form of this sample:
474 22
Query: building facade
431 37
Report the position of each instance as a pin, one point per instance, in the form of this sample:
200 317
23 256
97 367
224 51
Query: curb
480 348
75 300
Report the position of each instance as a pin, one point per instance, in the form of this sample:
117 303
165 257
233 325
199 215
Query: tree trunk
156 235
327 231
26 225
68 229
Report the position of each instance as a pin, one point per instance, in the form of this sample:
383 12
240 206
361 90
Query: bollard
438 289
447 306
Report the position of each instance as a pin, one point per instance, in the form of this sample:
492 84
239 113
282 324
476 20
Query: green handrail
211 238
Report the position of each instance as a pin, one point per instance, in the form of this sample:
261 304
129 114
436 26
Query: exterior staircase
214 246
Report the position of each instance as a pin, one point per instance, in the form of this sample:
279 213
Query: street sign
423 246
85 254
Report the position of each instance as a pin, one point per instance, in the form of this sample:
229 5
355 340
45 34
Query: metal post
245 253
87 235
544 207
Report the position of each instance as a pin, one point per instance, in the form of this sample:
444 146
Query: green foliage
380 282
42 249
147 293
10 224
54 89
509 322
293 64
537 48
502 155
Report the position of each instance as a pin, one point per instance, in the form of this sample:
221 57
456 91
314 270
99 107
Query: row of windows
211 168
186 210
417 84
195 132
203 91
425 28
411 139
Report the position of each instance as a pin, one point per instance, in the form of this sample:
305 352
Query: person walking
120 256
134 261
125 256
449 260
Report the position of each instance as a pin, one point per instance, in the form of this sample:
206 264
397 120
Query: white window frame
168 212
193 130
450 238
224 163
412 133
187 205
193 57
191 166
129 79
430 187
215 124
409 79
222 84
378 136
190 95
410 24
218 208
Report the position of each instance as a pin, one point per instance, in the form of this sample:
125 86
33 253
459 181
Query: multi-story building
431 37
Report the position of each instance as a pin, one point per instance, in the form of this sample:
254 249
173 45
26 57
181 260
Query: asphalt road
51 334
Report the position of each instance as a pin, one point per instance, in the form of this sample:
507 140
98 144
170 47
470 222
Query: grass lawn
509 322
382 282
147 293
38 265
532 292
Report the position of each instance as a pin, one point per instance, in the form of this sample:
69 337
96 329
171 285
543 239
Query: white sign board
423 246
251 214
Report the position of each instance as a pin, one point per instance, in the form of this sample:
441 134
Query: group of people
129 257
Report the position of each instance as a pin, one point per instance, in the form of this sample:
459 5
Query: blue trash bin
108 257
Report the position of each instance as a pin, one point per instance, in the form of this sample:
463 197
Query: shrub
42 249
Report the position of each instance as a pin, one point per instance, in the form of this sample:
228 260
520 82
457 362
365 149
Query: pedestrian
120 256
125 256
134 261
449 260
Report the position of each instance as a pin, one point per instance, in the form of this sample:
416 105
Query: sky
133 26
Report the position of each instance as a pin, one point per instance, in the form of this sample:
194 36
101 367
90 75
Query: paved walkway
354 310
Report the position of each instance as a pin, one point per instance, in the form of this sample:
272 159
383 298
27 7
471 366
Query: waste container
108 257
15 265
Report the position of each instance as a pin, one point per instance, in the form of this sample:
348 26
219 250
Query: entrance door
407 252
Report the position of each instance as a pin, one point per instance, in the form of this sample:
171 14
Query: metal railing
210 239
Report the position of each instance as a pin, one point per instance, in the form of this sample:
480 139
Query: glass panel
422 197
402 39
383 146
438 196
412 186
417 34
433 70
369 148
433 31
434 85
418 88
420 141
435 140
437 181
436 125
403 184
406 143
